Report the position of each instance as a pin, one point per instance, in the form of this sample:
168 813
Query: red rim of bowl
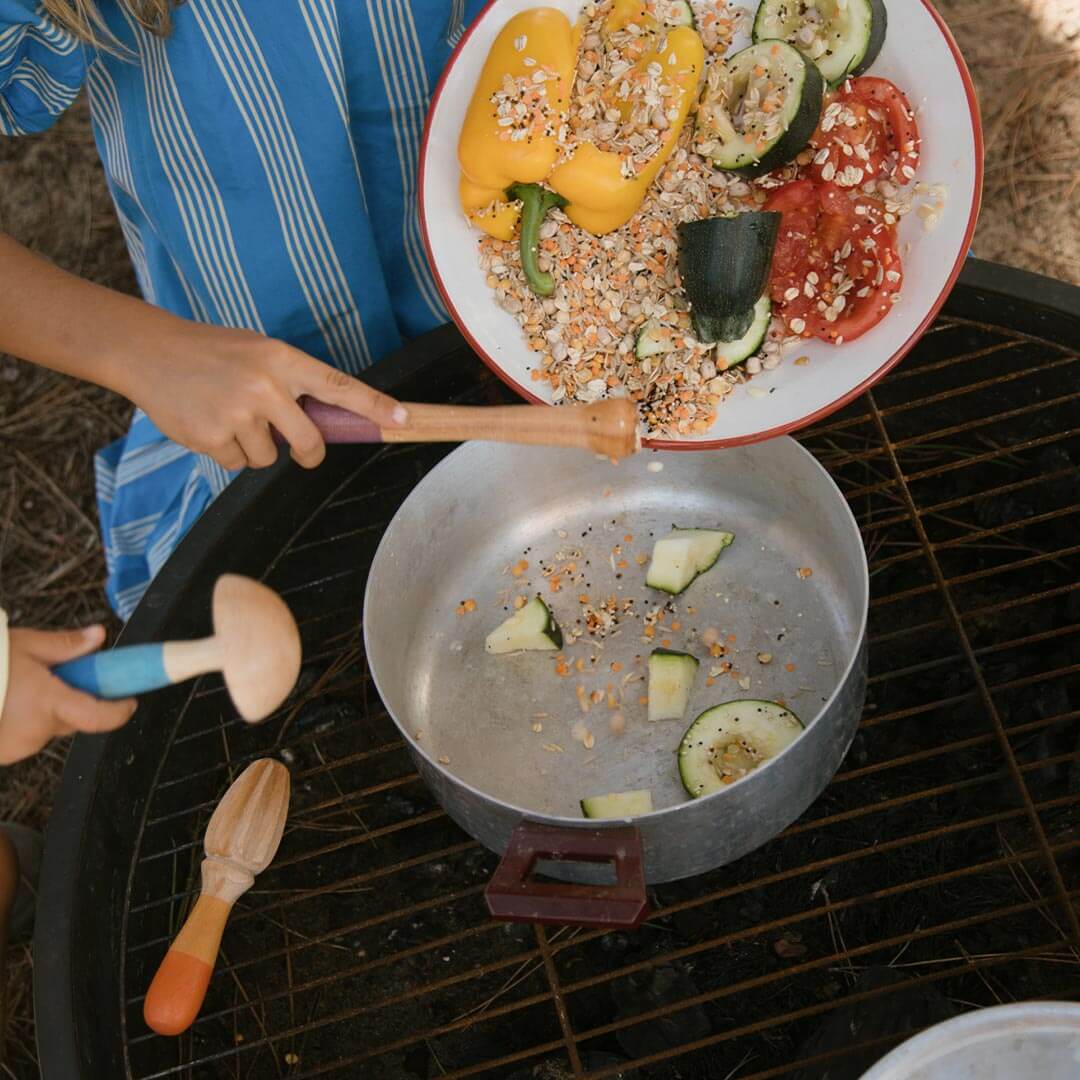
783 429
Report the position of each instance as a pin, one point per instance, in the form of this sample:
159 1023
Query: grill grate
938 872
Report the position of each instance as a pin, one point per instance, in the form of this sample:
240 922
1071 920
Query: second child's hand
213 389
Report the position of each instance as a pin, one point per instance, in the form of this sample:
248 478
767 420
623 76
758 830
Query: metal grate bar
355 1012
358 795
791 920
360 755
966 463
831 426
958 642
819 866
986 650
457 1074
353 928
545 952
800 827
982 384
557 998
433 815
966 500
328 804
980 575
376 964
1028 639
921 755
976 354
765 980
808 1011
982 534
843 458
319 890
824 865
985 691
906 594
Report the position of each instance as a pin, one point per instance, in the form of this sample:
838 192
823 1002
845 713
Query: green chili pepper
536 201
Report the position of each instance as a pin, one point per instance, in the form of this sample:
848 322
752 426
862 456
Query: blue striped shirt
262 159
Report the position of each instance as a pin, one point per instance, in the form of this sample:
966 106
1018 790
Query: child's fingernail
401 415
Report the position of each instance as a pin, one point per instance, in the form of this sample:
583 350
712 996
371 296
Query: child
35 705
262 158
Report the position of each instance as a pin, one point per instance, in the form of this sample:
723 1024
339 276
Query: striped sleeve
42 67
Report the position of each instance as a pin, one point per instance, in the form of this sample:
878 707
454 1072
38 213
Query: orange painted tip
176 994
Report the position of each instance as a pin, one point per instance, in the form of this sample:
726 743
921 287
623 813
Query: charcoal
899 1013
653 989
322 715
993 510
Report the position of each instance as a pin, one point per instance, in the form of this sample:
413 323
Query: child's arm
213 389
37 705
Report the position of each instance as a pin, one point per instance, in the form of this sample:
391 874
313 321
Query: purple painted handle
339 425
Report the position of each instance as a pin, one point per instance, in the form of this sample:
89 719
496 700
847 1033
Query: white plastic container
1038 1039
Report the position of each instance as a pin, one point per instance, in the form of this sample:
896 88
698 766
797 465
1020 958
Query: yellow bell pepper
625 12
601 197
531 64
486 209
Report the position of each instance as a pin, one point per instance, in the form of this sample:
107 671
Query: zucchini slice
677 13
843 37
671 678
653 339
682 556
532 629
728 741
759 108
731 353
619 804
724 265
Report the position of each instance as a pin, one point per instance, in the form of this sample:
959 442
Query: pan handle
513 896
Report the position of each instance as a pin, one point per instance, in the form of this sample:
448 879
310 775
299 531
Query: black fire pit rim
1014 291
59 1054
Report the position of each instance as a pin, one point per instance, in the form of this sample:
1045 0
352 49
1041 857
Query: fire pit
937 873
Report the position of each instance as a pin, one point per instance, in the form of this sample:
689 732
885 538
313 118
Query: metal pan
484 730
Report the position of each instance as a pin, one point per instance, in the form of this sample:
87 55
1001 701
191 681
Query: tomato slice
903 132
798 203
866 303
867 130
835 265
849 144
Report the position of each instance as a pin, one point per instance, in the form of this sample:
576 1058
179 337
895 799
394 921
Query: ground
1024 55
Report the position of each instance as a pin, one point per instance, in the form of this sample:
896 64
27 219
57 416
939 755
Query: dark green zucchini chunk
729 328
724 266
758 108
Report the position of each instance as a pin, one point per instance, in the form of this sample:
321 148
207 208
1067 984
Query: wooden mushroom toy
241 840
255 645
605 427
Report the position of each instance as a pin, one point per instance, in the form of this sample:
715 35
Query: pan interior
787 601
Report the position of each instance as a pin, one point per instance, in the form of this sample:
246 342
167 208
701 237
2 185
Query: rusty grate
938 872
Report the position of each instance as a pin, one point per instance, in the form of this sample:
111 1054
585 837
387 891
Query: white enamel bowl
919 55
1006 1042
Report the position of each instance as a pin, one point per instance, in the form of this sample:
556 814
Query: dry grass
1025 57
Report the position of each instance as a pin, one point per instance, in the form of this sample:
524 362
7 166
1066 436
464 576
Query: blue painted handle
117 673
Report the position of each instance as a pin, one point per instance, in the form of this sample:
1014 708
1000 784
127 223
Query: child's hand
218 391
38 705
